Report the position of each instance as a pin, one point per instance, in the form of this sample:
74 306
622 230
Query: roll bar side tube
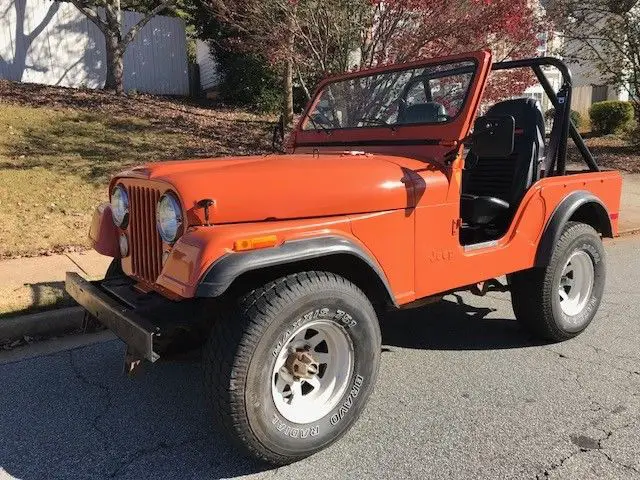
535 64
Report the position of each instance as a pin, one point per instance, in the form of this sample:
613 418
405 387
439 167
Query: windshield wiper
317 126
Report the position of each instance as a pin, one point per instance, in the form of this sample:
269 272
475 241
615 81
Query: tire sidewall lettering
583 318
322 313
348 403
288 430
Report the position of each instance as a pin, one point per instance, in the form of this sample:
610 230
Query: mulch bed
611 152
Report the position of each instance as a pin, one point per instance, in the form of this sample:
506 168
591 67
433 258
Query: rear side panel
443 264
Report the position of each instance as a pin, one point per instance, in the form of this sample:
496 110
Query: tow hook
132 364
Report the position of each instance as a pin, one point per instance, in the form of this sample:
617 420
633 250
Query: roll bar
561 101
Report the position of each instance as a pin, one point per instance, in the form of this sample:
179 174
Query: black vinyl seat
492 188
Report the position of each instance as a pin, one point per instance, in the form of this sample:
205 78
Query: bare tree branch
91 12
131 34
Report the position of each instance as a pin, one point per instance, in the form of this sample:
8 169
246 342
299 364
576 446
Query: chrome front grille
145 244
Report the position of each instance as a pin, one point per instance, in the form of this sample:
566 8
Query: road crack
105 394
597 445
546 473
608 435
143 451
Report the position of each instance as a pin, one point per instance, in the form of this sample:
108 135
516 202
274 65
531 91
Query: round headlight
120 206
169 217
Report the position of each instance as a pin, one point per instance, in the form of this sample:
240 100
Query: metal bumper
136 331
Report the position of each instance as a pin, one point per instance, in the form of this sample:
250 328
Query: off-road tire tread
233 339
531 289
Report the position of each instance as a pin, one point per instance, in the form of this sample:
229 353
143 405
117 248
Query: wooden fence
53 43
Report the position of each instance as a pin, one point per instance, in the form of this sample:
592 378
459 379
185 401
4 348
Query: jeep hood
276 187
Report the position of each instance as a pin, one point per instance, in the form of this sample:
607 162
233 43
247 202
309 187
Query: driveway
462 393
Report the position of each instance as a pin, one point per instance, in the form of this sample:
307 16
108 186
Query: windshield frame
383 138
306 116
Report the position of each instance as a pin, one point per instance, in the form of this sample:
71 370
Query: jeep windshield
430 94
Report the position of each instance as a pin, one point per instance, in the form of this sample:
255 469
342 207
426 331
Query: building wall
581 99
53 43
210 76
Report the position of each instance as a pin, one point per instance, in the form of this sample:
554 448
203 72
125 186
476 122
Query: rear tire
559 301
288 368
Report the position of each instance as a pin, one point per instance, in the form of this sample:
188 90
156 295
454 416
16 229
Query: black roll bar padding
535 64
564 101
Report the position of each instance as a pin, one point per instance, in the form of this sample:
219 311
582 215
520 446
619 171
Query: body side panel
443 264
390 238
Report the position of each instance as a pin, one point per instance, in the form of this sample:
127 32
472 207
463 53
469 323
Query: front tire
289 367
559 301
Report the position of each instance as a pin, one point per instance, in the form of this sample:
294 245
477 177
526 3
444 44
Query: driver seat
492 188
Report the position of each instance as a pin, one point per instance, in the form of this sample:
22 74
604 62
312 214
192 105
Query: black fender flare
221 274
562 214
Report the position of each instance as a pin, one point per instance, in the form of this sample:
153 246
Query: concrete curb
54 346
629 231
49 322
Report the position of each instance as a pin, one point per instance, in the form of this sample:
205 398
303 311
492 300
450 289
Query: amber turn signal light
255 242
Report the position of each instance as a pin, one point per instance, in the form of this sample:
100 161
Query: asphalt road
462 393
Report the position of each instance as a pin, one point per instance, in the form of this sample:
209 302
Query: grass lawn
59 147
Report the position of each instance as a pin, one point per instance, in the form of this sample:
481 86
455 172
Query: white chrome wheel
576 283
311 371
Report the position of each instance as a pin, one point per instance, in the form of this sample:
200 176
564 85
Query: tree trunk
115 47
288 93
115 69
288 74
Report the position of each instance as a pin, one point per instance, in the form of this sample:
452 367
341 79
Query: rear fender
580 206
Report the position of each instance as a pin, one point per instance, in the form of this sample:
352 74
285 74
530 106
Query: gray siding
209 72
53 43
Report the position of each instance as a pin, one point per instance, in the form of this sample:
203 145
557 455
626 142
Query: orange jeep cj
386 195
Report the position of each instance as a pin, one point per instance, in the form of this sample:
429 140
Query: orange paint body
399 203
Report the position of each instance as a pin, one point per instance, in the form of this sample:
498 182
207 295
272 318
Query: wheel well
594 214
348 266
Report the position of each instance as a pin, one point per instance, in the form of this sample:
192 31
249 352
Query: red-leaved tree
309 39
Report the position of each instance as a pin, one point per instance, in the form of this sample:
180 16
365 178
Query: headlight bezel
176 208
120 215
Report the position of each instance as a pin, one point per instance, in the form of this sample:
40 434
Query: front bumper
136 331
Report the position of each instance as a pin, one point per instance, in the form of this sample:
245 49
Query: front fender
225 270
103 233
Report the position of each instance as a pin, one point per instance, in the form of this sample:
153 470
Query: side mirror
493 136
277 139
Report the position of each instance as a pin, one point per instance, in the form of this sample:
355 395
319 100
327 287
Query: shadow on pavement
452 325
